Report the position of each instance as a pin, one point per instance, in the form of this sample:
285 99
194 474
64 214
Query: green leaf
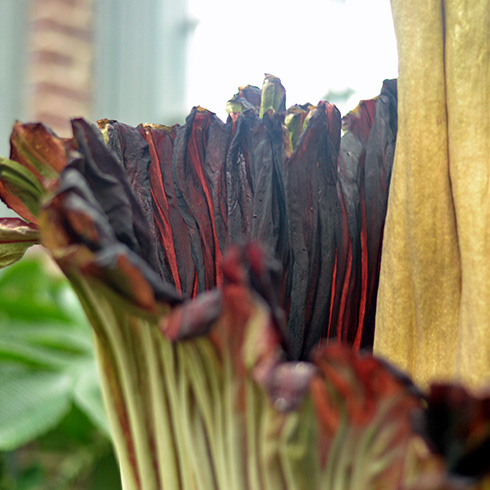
31 310
19 352
47 346
30 270
75 341
29 292
31 404
45 339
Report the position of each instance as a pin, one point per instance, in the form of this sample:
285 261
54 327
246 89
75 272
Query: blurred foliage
53 430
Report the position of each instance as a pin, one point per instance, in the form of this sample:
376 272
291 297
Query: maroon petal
111 187
380 153
456 425
287 384
194 317
171 230
194 192
313 212
365 161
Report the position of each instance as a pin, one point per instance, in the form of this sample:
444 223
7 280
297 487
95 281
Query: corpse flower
215 261
229 271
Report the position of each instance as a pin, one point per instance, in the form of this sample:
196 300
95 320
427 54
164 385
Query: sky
314 46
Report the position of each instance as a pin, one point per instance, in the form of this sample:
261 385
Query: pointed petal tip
288 383
193 318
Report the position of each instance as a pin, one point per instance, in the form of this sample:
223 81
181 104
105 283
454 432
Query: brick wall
60 67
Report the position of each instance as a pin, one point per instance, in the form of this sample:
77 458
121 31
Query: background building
94 58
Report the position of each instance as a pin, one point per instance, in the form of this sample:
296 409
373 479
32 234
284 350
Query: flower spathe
435 276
